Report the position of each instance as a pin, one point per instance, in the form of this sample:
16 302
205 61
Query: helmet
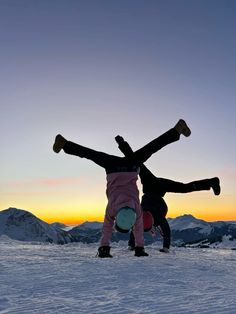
147 221
125 219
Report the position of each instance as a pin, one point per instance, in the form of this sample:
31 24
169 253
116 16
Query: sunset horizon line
77 221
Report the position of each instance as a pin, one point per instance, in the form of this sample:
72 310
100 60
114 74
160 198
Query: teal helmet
125 219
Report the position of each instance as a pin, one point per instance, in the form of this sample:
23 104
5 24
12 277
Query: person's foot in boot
59 143
104 251
215 185
119 139
139 251
131 248
182 128
164 250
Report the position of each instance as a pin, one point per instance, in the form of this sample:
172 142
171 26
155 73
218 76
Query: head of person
125 219
148 221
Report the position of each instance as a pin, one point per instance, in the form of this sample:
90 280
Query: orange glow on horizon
71 216
76 219
71 220
74 210
202 206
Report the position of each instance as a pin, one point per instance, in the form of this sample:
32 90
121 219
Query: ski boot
182 128
59 143
215 185
139 251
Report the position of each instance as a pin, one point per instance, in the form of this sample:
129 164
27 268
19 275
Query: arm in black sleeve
131 242
166 233
124 146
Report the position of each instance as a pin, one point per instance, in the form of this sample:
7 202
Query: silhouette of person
154 189
122 176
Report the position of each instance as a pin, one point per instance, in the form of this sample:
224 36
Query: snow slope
49 278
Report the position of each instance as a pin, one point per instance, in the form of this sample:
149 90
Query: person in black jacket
154 189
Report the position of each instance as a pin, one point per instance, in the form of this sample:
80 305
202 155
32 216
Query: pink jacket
122 191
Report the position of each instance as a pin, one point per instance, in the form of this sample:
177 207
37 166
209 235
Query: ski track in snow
47 278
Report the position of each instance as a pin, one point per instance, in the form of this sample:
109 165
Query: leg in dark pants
141 155
101 159
108 161
162 186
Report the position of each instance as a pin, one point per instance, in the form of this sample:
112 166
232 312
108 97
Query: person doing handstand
123 207
154 189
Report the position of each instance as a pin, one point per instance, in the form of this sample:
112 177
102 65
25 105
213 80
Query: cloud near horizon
47 182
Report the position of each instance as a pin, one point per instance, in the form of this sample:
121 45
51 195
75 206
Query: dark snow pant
155 185
160 186
179 187
119 164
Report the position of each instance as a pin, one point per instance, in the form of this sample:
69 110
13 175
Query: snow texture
50 278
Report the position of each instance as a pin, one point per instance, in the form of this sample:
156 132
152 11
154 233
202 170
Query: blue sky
93 69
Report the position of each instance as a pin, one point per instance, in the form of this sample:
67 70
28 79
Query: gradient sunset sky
93 69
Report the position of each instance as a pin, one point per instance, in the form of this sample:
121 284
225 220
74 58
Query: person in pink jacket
123 206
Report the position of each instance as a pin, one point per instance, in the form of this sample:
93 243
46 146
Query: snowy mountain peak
21 225
90 225
189 222
12 211
186 217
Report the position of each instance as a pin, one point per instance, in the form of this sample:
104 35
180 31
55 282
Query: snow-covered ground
50 278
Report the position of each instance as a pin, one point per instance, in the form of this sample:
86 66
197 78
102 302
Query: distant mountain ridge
22 225
186 230
91 225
